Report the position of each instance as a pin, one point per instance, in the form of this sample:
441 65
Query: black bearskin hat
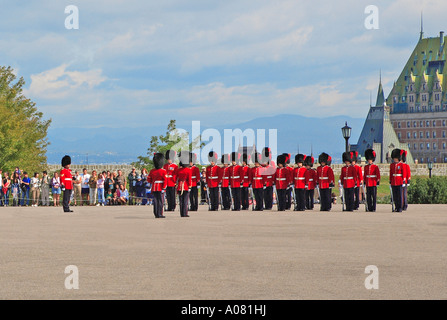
347 156
257 158
184 158
245 158
299 158
281 159
159 160
287 155
324 157
66 160
370 154
235 156
225 159
309 161
193 158
212 157
404 155
267 153
170 155
396 153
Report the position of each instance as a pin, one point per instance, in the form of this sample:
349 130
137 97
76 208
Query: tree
174 139
23 132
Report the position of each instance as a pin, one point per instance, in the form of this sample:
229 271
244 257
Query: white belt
269 176
193 177
237 177
300 178
324 178
158 181
245 177
168 176
397 175
281 179
225 178
213 178
311 179
348 178
372 176
257 178
68 179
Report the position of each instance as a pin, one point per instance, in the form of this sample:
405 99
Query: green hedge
428 190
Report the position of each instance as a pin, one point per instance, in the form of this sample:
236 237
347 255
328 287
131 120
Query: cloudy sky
131 62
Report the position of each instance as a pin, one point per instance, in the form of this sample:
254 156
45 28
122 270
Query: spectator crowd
90 188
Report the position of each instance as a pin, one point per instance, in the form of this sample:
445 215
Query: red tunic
282 178
213 176
171 173
359 175
268 173
371 175
236 176
325 176
246 176
257 177
66 179
408 171
184 180
195 176
310 178
348 176
225 177
157 177
299 178
398 173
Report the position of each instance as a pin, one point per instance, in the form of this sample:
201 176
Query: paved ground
124 253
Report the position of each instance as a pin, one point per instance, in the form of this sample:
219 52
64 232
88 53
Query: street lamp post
346 131
430 167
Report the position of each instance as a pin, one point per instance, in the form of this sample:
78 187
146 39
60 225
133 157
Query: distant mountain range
105 145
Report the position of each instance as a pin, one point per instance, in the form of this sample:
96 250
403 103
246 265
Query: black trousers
268 198
236 193
259 198
309 199
397 197
203 198
300 195
226 198
349 198
288 198
214 198
66 200
282 200
245 198
158 203
183 202
325 199
356 198
194 199
170 197
371 198
404 198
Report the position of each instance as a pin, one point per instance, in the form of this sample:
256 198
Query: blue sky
221 62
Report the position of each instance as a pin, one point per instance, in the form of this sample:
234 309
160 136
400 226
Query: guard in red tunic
282 180
66 183
257 182
371 175
398 175
289 188
236 180
310 181
325 182
299 182
269 171
195 180
213 179
359 183
246 182
159 182
348 178
407 180
184 182
225 183
171 174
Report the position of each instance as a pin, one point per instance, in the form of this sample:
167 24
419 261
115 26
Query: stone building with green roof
418 101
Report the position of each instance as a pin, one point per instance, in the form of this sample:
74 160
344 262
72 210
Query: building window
443 123
421 135
424 109
434 159
445 159
427 134
411 98
399 135
414 124
437 95
434 123
434 134
424 97
421 124
421 146
398 125
422 160
408 124
427 123
443 134
408 135
428 146
430 108
415 146
411 109
437 109
443 145
409 146
434 145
